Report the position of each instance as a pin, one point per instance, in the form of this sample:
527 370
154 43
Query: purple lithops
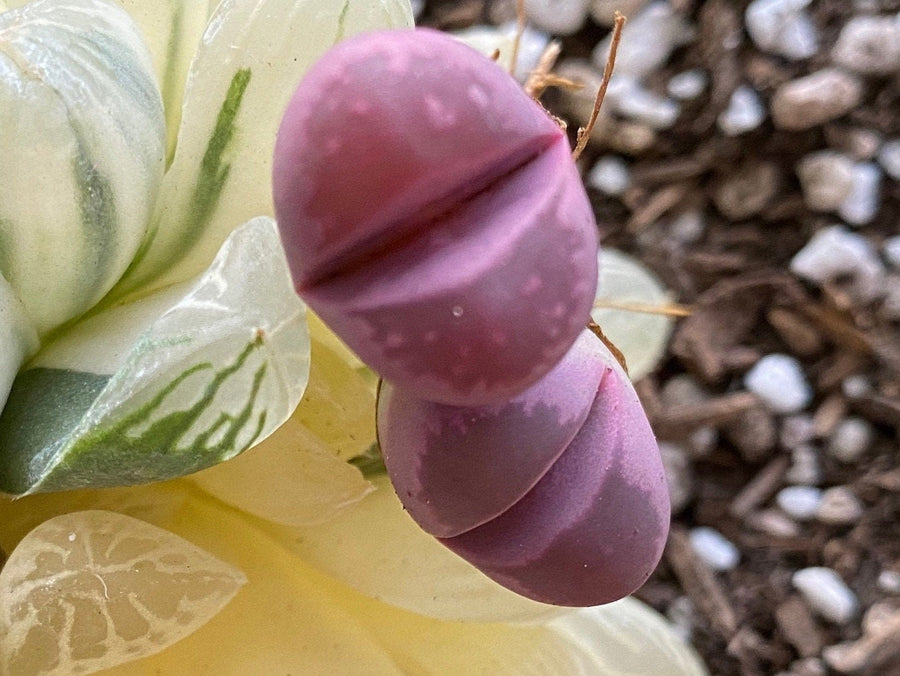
559 494
433 216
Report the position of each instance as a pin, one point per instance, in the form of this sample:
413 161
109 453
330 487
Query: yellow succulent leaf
93 589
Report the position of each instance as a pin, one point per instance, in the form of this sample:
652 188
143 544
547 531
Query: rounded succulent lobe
593 529
455 468
387 131
486 300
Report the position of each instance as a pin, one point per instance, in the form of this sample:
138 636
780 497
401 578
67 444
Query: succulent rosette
149 330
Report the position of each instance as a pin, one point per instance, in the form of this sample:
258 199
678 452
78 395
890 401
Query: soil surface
733 453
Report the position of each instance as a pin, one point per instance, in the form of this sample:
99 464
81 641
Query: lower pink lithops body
586 526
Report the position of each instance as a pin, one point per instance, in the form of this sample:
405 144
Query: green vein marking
97 203
116 455
214 172
170 78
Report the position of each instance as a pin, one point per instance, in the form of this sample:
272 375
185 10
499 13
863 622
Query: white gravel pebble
805 467
648 39
839 507
687 85
814 99
836 252
850 439
862 203
889 158
782 27
774 523
562 17
679 475
797 430
604 11
826 178
779 381
745 112
890 306
826 593
631 100
799 502
714 549
610 175
855 386
869 45
688 227
889 581
892 251
486 39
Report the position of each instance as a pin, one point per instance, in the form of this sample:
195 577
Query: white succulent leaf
165 386
82 138
249 62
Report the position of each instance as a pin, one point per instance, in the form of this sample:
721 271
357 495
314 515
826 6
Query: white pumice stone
869 45
688 227
890 304
648 39
850 439
891 250
826 593
775 523
782 27
805 469
486 39
702 441
799 502
814 99
797 430
647 108
688 85
863 202
856 386
562 17
778 380
836 252
889 158
604 11
610 175
714 549
889 581
839 507
745 112
679 475
826 178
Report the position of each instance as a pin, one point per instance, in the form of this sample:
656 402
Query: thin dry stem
520 29
594 328
671 310
537 80
585 134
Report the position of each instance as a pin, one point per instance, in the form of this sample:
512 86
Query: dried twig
670 310
539 79
584 134
517 41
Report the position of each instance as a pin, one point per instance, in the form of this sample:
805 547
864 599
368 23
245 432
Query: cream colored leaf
90 590
377 549
249 62
172 30
624 289
18 340
82 137
290 478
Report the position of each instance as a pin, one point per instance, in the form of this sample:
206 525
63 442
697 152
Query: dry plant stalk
584 134
670 310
